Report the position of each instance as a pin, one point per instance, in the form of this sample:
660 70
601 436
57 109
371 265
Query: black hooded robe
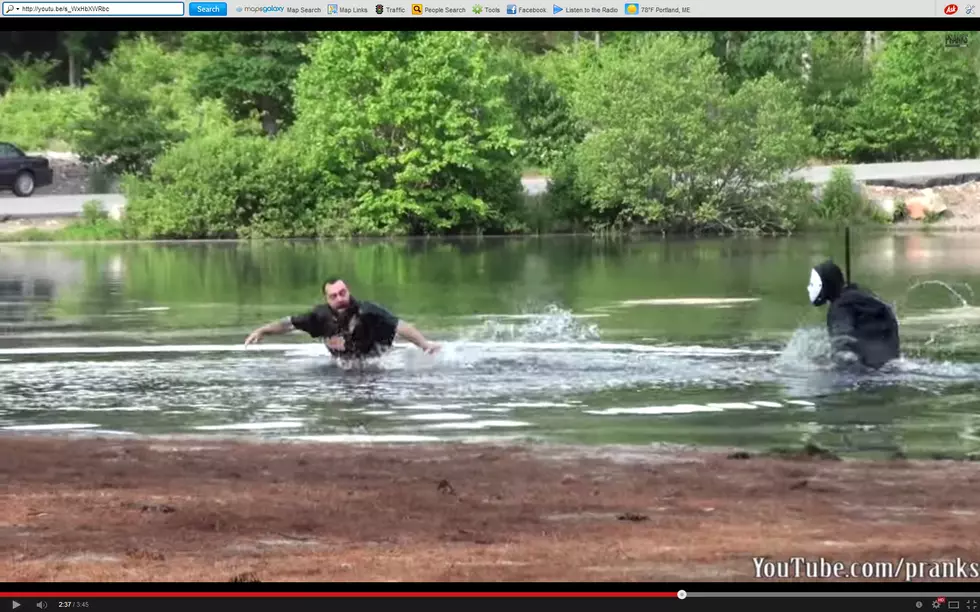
858 322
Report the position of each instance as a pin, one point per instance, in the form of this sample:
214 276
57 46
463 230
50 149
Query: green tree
143 103
544 119
250 71
529 42
835 88
776 53
922 102
669 146
186 198
44 119
78 51
411 133
26 73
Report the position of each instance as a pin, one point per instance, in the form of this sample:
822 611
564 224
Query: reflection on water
708 342
28 284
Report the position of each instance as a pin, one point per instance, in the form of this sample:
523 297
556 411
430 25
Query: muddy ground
110 510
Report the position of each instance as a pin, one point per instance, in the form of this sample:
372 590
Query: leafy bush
184 197
922 102
251 71
544 118
773 52
835 89
413 129
842 202
670 147
26 73
368 154
143 103
43 119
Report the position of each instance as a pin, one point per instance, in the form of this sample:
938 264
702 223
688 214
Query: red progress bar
338 594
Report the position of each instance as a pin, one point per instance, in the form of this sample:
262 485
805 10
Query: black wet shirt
367 328
860 323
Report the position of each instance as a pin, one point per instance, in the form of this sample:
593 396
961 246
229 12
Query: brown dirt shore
77 509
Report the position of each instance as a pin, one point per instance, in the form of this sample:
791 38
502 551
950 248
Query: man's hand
282 326
414 336
336 343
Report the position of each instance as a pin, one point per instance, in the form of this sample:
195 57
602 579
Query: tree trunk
597 39
269 124
575 36
870 44
807 57
72 68
270 115
74 46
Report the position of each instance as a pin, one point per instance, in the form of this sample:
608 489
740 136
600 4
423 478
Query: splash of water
968 288
553 325
806 349
952 328
946 286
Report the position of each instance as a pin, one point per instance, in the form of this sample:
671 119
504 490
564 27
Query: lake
567 339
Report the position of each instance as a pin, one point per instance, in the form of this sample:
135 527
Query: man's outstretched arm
282 326
408 332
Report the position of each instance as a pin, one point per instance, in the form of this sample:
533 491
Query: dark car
21 172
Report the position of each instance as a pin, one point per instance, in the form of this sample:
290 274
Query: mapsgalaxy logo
263 9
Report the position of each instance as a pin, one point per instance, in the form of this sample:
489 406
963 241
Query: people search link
801 567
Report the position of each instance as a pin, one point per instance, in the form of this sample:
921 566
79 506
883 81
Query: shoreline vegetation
281 135
96 509
94 225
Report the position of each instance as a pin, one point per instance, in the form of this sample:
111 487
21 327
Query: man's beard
345 313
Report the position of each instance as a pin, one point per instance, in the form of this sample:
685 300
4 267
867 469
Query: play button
16 605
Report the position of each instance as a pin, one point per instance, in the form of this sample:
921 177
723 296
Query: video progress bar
883 594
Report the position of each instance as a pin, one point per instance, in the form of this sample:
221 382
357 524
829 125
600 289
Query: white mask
815 286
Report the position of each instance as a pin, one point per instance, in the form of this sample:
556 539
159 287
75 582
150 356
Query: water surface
708 341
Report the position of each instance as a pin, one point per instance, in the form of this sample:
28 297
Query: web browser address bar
93 9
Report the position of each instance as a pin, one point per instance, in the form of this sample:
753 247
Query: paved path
52 206
904 174
916 175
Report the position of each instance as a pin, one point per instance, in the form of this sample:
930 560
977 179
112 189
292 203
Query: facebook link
800 567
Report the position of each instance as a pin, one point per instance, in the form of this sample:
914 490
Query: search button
208 9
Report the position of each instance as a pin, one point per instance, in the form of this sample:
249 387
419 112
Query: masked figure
862 328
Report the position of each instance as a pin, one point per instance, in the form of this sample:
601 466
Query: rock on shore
957 205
